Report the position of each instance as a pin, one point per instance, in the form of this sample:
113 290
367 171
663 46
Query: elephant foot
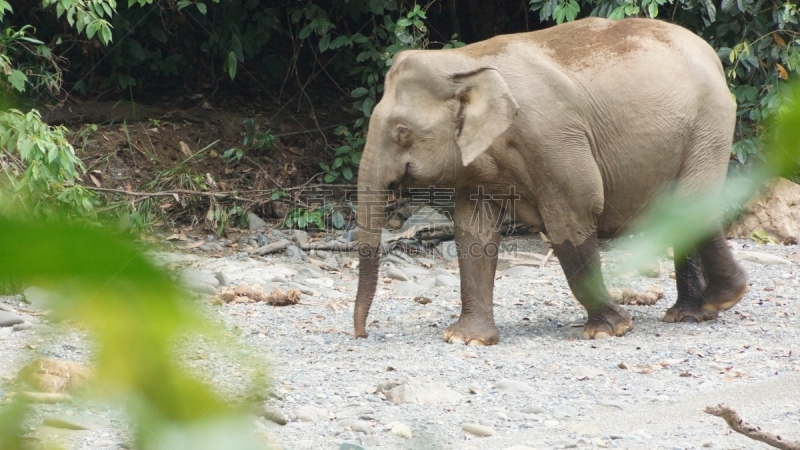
612 320
471 333
688 313
716 300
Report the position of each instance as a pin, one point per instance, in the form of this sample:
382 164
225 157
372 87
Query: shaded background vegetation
324 57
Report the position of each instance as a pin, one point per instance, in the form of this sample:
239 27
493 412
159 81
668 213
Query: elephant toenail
688 319
476 343
455 340
601 335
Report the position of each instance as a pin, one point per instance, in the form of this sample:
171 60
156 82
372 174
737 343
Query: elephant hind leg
708 280
726 282
690 281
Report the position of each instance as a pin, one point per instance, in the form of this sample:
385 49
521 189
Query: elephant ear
486 111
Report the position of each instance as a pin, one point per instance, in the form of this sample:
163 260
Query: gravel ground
540 387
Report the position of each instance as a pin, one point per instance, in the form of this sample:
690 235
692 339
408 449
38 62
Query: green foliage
366 56
136 316
42 168
317 216
301 218
255 139
757 42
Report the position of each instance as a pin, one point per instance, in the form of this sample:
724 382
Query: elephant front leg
581 265
477 234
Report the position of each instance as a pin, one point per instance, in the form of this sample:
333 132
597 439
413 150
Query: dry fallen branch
738 425
271 248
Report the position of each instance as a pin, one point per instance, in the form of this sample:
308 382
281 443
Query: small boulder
773 213
255 223
56 376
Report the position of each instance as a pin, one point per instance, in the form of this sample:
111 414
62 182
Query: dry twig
738 425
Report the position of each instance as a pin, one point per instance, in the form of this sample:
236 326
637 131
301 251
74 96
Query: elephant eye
403 135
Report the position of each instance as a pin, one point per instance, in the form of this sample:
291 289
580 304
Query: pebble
396 274
519 271
564 412
478 430
447 280
22 326
407 287
447 250
532 409
402 430
551 423
619 404
310 413
274 415
356 425
513 386
350 445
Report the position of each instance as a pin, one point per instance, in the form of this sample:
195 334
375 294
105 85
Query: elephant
578 127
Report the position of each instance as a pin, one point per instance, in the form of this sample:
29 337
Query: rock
402 430
102 443
442 272
478 430
520 447
356 425
407 390
584 429
761 258
56 376
774 214
302 288
40 298
564 412
308 272
350 445
407 287
198 281
273 415
426 262
519 271
75 422
426 215
419 299
586 373
513 386
613 404
331 262
349 235
8 319
551 423
447 280
649 270
396 274
299 237
310 413
294 252
21 326
259 239
223 280
255 223
448 250
414 271
427 283
532 409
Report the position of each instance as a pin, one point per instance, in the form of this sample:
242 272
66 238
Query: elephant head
437 116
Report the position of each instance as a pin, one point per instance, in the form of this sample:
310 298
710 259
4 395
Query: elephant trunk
372 199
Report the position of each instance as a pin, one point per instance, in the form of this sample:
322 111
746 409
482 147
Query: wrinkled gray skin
587 122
